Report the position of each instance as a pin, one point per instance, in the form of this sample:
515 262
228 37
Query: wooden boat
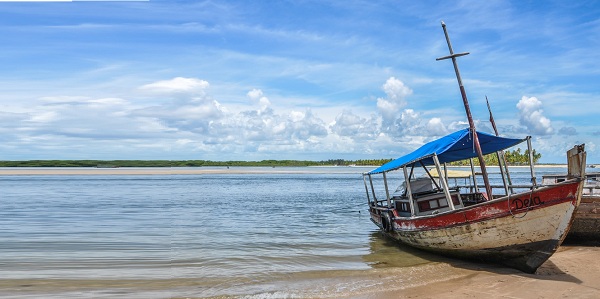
519 229
586 225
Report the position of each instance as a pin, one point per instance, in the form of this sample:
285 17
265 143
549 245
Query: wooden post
533 178
387 191
367 190
444 184
474 177
500 155
411 204
372 189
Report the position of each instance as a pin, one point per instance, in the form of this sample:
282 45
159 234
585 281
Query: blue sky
314 80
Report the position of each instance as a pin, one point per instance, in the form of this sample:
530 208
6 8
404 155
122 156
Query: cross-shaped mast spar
453 56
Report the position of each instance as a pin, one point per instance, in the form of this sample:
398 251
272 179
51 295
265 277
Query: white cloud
530 116
396 93
296 116
409 121
309 126
355 127
44 116
192 111
108 102
178 85
214 129
196 123
256 95
435 127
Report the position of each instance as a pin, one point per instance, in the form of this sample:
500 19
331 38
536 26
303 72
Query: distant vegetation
513 157
182 163
87 163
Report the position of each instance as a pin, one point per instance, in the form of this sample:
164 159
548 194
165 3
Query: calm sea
290 233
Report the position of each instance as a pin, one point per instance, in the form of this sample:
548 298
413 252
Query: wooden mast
453 56
501 159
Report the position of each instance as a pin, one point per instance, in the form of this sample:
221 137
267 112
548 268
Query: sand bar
174 170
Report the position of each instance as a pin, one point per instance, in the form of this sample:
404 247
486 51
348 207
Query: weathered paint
586 223
521 231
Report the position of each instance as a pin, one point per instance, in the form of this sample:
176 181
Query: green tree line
153 163
512 157
186 163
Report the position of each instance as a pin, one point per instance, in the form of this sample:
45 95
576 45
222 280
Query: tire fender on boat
386 222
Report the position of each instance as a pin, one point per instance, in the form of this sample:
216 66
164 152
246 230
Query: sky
301 80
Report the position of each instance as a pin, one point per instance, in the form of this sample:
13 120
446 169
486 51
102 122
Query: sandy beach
572 272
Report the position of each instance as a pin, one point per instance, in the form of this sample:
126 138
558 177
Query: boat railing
380 203
498 187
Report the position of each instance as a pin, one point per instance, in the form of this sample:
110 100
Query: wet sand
572 272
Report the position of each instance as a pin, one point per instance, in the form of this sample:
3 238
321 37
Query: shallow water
297 234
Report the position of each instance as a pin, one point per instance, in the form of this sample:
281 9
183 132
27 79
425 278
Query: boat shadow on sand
388 253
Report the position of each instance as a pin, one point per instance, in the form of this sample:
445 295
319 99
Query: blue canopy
454 147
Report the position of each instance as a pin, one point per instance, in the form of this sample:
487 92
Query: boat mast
486 181
500 154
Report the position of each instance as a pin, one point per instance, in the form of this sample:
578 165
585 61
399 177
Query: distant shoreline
169 170
196 170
